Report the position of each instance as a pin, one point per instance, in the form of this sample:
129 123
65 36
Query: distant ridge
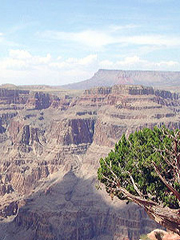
104 78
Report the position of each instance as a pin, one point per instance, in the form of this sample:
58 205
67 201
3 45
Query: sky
56 42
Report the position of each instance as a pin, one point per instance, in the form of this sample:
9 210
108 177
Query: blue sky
55 42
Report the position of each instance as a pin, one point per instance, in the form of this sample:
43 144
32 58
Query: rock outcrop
50 147
159 234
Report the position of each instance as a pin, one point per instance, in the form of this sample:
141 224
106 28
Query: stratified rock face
112 77
8 96
70 212
50 148
73 131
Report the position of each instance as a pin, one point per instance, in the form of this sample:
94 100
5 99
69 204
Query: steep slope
112 77
50 148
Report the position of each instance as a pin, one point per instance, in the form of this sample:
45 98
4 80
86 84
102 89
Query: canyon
51 141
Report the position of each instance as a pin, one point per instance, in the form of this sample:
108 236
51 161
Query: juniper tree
145 168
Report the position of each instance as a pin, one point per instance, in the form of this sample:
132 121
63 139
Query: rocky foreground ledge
159 234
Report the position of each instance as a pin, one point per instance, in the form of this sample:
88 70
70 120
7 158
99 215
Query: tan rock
159 234
50 148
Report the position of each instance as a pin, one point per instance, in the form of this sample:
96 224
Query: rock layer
50 149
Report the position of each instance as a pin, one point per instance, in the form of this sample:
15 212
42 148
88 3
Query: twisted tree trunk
167 217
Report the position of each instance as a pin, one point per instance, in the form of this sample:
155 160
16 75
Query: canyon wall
50 148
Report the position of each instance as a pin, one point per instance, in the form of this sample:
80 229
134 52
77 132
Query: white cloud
11 63
75 62
19 54
155 40
88 60
91 38
59 57
83 61
168 64
112 35
41 60
22 67
106 64
136 63
114 28
59 65
21 59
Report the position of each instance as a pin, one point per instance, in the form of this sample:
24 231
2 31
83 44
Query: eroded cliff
50 148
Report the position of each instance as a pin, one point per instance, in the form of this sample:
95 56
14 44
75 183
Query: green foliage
134 156
144 237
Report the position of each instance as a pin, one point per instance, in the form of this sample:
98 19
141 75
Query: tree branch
176 193
135 186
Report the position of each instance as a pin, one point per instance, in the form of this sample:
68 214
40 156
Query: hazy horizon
59 42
